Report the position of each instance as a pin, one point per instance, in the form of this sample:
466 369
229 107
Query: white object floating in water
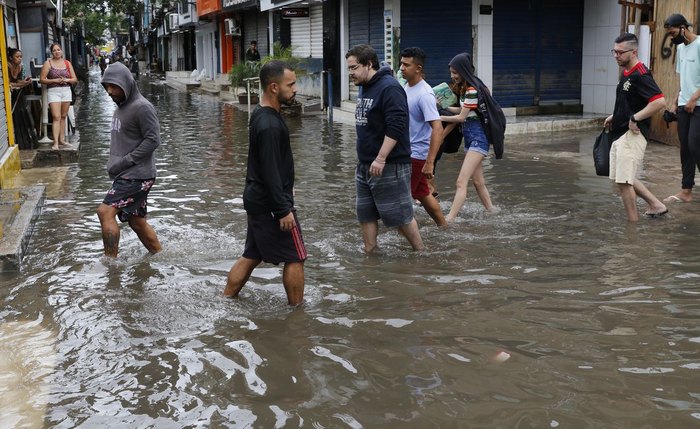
501 357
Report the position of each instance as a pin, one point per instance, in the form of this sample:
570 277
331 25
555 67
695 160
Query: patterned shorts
129 197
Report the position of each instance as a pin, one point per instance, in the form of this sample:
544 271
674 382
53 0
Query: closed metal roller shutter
366 19
538 60
442 28
255 28
307 34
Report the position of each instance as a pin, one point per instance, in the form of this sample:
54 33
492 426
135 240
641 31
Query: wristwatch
632 118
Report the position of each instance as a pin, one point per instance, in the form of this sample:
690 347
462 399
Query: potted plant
238 74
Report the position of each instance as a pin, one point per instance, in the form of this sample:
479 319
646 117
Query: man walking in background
685 103
135 135
383 173
638 98
425 130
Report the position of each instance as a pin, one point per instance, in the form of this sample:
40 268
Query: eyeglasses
354 67
618 53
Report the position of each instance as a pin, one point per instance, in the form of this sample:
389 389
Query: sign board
231 3
273 4
296 12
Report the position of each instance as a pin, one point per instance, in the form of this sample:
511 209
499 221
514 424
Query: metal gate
366 19
537 51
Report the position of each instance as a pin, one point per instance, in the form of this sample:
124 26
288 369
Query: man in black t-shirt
273 234
252 54
638 99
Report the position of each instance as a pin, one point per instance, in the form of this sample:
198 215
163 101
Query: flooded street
554 312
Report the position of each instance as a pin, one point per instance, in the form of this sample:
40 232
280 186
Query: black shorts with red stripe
265 240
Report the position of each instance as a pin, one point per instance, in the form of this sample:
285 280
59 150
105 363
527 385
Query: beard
290 101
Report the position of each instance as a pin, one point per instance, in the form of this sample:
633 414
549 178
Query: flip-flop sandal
655 215
674 199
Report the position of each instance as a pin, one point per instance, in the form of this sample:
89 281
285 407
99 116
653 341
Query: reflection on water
552 313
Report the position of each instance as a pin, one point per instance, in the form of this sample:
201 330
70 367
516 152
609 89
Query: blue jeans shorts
474 137
387 197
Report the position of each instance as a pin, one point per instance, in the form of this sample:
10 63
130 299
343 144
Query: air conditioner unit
174 21
231 27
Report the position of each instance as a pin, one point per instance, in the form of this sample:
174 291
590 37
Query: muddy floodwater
553 313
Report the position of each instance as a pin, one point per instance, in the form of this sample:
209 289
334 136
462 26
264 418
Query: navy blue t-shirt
382 110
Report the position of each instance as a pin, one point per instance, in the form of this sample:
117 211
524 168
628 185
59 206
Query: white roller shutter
307 34
316 13
301 36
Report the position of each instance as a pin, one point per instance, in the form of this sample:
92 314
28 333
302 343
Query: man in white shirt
425 130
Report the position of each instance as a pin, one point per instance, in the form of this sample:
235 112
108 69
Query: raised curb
18 232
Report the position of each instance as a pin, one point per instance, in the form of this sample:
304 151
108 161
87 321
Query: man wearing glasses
638 98
685 102
383 172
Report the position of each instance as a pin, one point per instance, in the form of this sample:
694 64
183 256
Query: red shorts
419 184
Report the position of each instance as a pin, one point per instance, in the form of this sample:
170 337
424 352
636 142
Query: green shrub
241 71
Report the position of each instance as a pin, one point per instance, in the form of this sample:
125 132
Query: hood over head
490 113
465 67
120 75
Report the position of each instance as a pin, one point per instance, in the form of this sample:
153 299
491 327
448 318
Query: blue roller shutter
442 28
366 18
538 59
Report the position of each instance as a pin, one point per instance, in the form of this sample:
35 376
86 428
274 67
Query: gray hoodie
135 130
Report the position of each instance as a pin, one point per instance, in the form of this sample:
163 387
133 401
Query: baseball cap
676 20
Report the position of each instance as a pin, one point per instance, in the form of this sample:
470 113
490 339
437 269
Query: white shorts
60 94
626 155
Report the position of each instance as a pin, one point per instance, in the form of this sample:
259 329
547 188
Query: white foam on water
694 365
324 352
349 420
344 321
695 415
485 279
267 273
622 290
281 416
569 291
650 370
339 297
688 276
459 357
230 367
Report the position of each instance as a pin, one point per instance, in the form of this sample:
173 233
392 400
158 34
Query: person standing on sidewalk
274 234
383 172
252 54
425 130
638 98
57 75
685 103
135 135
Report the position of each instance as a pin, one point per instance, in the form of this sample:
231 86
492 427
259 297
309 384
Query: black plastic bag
452 141
601 153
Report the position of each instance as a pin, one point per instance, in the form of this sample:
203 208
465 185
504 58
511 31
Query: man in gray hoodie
135 135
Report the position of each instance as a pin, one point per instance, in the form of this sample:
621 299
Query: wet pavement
554 312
